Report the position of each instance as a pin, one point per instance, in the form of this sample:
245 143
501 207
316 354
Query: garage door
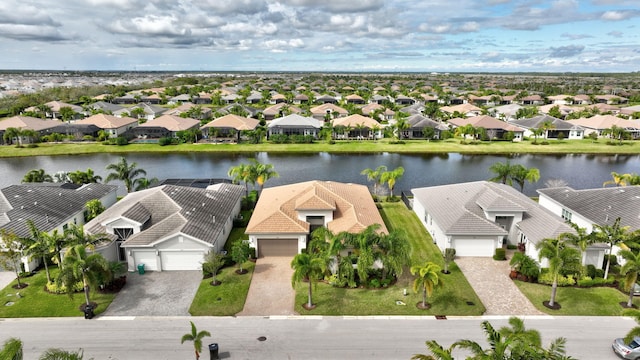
474 247
148 258
181 260
277 247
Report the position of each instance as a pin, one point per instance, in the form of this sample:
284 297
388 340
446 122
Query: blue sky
322 35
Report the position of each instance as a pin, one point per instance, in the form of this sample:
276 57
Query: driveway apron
155 293
270 292
490 280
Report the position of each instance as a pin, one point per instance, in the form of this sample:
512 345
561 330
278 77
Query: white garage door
148 258
474 247
181 260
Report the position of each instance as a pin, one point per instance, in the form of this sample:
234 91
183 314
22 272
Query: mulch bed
307 307
215 283
556 305
21 286
624 305
420 306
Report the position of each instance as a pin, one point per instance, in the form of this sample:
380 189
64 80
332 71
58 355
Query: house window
566 214
122 234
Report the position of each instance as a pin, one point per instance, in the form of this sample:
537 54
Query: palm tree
12 349
390 177
520 174
499 345
13 133
617 180
59 354
93 208
195 336
36 176
437 352
241 174
144 183
630 270
374 176
561 258
81 266
262 173
612 235
76 235
580 239
125 172
521 339
503 172
427 278
395 252
307 267
82 177
38 246
634 313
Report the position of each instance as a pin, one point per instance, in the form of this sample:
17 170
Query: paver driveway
166 293
270 292
490 280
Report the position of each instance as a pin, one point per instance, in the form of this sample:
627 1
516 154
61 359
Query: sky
322 35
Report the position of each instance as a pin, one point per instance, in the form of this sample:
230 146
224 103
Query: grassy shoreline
382 146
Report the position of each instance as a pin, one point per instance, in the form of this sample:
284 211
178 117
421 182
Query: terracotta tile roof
322 109
486 122
233 121
356 120
605 122
105 121
27 122
172 123
277 209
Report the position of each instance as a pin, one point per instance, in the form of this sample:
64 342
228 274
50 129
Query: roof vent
213 218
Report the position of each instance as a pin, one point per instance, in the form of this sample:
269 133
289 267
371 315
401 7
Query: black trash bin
213 351
88 312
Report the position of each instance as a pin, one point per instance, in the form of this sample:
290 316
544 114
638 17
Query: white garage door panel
181 260
474 247
148 258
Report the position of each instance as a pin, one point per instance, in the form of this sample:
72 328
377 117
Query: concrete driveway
6 277
166 293
270 292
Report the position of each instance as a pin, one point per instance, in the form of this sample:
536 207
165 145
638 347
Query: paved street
293 337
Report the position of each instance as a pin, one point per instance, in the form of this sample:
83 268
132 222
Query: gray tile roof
166 210
295 120
601 206
48 205
537 121
459 210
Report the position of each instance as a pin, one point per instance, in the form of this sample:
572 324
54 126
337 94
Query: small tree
93 208
390 177
195 336
306 266
427 278
630 270
213 261
80 266
240 252
11 254
449 255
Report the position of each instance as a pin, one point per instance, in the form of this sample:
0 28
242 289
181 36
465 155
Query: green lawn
384 145
35 302
595 301
226 299
450 300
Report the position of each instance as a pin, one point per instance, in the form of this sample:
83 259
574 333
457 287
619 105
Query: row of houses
172 227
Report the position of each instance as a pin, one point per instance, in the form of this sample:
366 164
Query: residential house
417 124
532 100
356 127
475 218
126 99
113 125
53 110
50 206
168 227
378 99
369 109
202 113
599 123
326 99
505 112
354 99
147 111
239 109
611 99
285 216
564 109
279 110
560 99
165 126
179 99
555 127
494 128
228 126
301 99
277 98
294 124
328 110
590 207
581 99
630 110
467 110
104 107
404 100
254 98
40 126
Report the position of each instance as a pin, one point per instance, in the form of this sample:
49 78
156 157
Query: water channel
579 171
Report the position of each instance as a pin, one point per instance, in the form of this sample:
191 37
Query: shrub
87 138
545 142
613 259
547 278
279 139
500 254
589 282
32 145
53 288
374 283
561 136
164 141
591 271
599 273
512 246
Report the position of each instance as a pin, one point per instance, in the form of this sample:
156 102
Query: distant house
475 218
467 110
40 126
356 127
279 110
294 125
568 130
354 99
330 110
326 99
532 100
205 112
599 123
560 99
165 126
113 125
417 124
148 112
386 115
505 112
611 99
105 107
301 99
245 110
168 227
404 100
179 99
494 128
50 206
285 216
227 125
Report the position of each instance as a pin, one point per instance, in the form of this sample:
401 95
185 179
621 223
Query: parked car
629 351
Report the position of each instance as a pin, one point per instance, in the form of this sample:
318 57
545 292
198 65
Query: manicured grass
35 302
385 145
451 299
595 301
226 299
